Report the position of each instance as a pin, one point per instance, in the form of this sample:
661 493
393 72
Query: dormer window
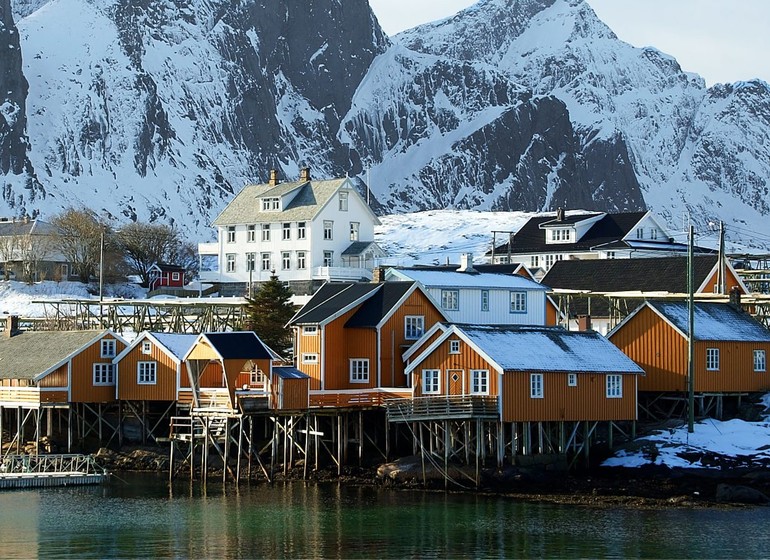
560 235
271 204
343 201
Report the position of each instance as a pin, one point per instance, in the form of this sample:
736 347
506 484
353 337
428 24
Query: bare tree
80 239
8 252
144 245
32 250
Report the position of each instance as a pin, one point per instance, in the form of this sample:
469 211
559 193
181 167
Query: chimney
735 298
466 263
273 178
304 175
584 323
560 214
378 275
11 325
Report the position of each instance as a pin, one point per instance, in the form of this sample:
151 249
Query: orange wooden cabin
536 374
349 339
730 347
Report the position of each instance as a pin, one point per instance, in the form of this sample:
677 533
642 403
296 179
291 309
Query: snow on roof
713 321
527 348
453 279
176 343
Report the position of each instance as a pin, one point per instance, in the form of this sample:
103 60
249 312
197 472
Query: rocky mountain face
163 109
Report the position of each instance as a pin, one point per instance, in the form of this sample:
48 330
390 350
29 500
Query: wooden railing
447 407
20 394
355 398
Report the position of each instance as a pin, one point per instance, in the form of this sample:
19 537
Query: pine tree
268 311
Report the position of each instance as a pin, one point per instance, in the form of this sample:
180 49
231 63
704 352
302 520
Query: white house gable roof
479 280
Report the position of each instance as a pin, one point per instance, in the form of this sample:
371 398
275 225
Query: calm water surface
144 517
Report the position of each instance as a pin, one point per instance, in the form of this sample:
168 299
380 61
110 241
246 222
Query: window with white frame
450 300
431 381
285 260
108 348
309 358
265 232
309 330
572 380
359 370
271 204
251 234
354 227
480 381
286 231
614 386
760 362
301 231
146 347
256 376
414 326
536 385
610 254
640 233
231 234
175 276
653 233
454 346
146 373
328 230
266 261
301 261
712 359
343 201
485 300
518 302
230 262
549 261
104 374
328 258
251 262
560 234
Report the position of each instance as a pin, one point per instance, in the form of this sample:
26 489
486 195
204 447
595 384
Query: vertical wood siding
587 401
295 393
53 396
340 345
83 388
736 368
466 360
57 378
164 389
310 345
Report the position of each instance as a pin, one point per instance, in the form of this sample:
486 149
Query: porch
445 407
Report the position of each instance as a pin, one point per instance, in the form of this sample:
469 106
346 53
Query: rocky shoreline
645 487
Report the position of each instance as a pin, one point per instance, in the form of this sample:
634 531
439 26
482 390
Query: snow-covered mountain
162 110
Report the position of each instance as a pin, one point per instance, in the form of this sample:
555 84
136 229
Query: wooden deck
36 471
445 407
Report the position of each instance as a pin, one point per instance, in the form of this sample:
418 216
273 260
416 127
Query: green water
143 517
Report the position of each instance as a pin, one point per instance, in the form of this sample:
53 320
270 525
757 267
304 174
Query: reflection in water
144 517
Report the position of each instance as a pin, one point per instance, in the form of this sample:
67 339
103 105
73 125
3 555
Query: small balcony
446 407
341 274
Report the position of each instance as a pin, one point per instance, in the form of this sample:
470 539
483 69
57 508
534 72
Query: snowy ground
16 298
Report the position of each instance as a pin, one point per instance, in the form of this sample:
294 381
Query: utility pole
722 260
101 278
690 337
494 243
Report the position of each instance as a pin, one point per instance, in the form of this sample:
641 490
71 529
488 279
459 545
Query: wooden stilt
387 439
422 455
49 423
500 445
99 414
446 454
540 448
315 437
2 413
609 435
307 447
205 450
19 431
171 461
250 439
240 450
339 444
360 438
633 429
226 450
69 429
478 451
587 442
286 446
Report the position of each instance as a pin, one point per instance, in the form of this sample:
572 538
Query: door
455 382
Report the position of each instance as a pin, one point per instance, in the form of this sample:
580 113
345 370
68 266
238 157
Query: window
518 302
354 227
251 234
640 233
231 234
104 374
146 347
450 300
285 260
534 261
251 262
310 330
230 266
301 260
561 234
610 254
108 348
414 326
175 276
359 370
572 380
653 233
286 231
265 232
454 346
343 201
430 381
480 381
146 373
309 358
256 377
266 261
536 385
328 229
485 300
548 262
271 204
760 363
328 258
712 359
614 386
300 230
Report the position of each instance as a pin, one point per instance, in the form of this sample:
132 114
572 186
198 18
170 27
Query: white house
306 232
466 295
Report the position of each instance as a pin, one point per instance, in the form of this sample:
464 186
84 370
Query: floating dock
40 471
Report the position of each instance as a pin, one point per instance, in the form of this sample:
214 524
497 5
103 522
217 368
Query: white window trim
484 374
110 368
455 299
712 359
485 300
454 346
309 330
760 367
107 348
146 347
572 380
310 358
417 318
614 390
151 373
536 390
518 301
437 385
352 363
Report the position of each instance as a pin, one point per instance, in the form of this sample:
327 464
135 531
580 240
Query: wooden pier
37 471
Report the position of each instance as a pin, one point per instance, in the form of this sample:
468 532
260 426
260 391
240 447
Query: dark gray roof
358 248
330 299
379 305
21 227
239 345
713 321
28 354
289 372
